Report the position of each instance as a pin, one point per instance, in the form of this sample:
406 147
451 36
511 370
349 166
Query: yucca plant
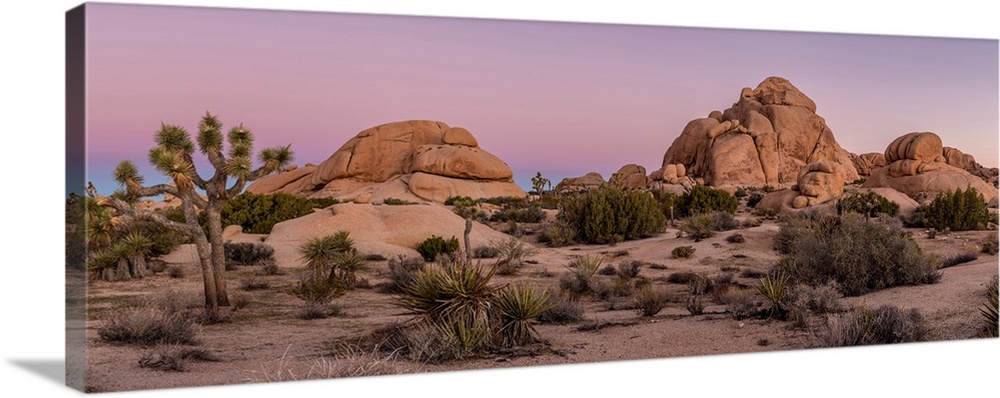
516 306
989 309
774 288
325 254
585 265
347 265
438 292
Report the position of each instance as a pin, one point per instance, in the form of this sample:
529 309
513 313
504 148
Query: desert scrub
695 305
150 323
741 303
884 325
651 300
628 269
431 247
247 254
516 306
990 309
956 211
735 238
257 214
557 234
704 199
869 203
561 310
990 245
402 271
754 199
485 252
611 214
174 358
698 227
862 256
529 214
682 252
511 255
397 202
775 289
579 280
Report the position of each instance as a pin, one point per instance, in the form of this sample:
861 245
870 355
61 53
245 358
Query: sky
562 99
31 106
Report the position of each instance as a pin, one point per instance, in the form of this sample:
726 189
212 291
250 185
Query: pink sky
560 98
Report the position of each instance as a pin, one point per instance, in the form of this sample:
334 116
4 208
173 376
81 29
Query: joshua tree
538 183
172 156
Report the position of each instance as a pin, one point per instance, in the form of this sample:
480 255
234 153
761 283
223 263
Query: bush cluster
956 211
610 214
862 256
247 253
431 247
868 203
257 214
705 199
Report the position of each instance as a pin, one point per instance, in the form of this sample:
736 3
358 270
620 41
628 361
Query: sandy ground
263 340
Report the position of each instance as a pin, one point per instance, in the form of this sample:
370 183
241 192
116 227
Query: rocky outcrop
919 166
417 160
818 183
630 176
764 139
867 163
584 182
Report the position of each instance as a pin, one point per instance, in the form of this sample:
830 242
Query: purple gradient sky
560 98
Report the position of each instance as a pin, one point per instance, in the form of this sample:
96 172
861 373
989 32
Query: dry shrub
174 358
562 310
961 258
682 252
628 269
151 323
885 325
651 300
742 303
990 244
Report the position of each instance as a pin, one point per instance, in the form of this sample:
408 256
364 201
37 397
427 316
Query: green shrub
610 214
257 214
885 325
956 211
530 214
397 202
754 199
682 252
775 289
247 253
868 203
668 204
862 256
459 201
557 234
516 306
704 199
699 226
430 248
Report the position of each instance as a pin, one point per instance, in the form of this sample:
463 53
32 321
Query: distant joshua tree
538 183
172 156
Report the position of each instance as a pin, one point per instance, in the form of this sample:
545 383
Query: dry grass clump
735 238
741 303
561 310
682 252
512 254
990 244
651 300
151 323
884 325
961 258
348 362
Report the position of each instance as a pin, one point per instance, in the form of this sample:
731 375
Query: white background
32 95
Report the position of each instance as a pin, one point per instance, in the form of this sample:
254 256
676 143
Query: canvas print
263 196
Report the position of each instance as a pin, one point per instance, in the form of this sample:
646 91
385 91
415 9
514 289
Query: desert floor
263 339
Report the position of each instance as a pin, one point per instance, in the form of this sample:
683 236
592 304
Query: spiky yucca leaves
775 288
990 309
127 175
346 266
516 306
335 256
586 265
439 293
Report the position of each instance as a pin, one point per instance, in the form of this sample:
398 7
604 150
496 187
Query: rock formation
817 183
765 138
866 163
416 160
584 182
630 176
919 166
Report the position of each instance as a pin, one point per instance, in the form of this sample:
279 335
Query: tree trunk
214 213
207 274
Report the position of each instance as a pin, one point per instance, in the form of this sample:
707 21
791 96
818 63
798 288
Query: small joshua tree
539 183
172 156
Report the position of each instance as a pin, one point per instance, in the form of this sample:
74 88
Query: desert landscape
411 249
